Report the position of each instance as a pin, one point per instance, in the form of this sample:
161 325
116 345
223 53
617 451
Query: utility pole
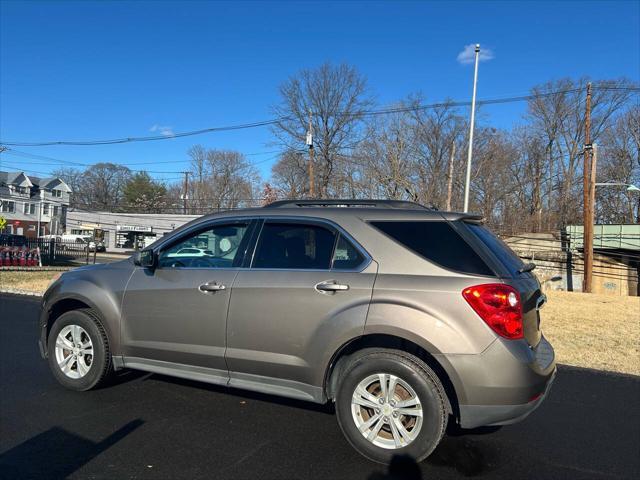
467 183
41 195
185 196
310 145
587 239
450 176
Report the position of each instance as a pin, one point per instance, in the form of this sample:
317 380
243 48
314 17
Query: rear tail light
499 306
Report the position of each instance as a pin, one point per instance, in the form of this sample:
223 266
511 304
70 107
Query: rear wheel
391 403
78 350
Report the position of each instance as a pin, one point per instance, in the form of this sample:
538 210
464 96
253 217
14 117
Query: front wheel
78 350
391 403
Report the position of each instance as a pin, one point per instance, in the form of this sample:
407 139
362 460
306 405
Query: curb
17 291
35 269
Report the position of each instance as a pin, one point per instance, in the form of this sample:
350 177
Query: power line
275 121
48 160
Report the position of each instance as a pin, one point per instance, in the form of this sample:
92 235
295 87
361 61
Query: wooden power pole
587 239
450 176
310 145
185 196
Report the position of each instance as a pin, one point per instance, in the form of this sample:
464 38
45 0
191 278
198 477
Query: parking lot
151 426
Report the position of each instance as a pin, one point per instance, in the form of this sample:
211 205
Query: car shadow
57 453
464 455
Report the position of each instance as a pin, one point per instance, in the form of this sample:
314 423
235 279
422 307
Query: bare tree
619 162
73 178
559 120
220 179
99 187
437 130
290 175
387 158
336 97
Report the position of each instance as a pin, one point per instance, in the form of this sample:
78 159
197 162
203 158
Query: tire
416 383
92 365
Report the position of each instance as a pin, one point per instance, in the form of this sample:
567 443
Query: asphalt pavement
152 426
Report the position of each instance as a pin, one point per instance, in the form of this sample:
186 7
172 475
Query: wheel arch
60 305
63 306
433 359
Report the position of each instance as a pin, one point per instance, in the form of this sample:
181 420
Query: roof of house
10 178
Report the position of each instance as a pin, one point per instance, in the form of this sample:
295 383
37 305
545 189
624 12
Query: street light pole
473 116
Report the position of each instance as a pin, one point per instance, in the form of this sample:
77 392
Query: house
28 203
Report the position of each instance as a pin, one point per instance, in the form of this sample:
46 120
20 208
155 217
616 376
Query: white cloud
163 130
468 54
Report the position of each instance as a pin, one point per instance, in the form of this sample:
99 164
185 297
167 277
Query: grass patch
594 331
33 281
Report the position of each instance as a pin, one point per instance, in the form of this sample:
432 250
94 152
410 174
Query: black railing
31 252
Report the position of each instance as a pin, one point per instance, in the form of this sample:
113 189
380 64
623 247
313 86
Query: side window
294 246
215 247
346 256
436 241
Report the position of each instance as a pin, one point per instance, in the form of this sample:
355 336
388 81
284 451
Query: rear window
501 250
438 242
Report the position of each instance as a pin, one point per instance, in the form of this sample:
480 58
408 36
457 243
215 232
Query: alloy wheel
74 351
387 411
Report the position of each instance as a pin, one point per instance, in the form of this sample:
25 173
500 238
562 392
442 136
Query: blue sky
93 70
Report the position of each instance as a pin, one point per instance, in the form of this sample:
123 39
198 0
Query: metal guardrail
624 237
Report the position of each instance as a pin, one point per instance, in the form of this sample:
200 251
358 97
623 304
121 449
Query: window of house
294 246
45 209
56 210
56 193
8 206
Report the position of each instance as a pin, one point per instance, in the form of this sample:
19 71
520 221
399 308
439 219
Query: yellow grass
595 331
32 281
586 330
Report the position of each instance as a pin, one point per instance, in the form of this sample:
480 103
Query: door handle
331 286
211 287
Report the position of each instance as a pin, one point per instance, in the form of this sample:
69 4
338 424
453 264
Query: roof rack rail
349 203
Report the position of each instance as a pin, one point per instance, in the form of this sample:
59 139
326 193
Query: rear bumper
505 383
472 416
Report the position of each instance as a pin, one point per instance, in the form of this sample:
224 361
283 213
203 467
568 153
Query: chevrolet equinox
405 317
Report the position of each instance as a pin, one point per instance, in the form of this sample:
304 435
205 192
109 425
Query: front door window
215 247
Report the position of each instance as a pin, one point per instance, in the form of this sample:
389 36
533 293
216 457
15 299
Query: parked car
407 318
80 242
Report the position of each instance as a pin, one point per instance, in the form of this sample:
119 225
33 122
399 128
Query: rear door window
294 246
438 242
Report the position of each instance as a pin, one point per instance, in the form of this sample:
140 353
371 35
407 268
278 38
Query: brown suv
407 318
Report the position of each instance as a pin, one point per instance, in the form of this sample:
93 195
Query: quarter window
438 242
346 256
215 247
294 246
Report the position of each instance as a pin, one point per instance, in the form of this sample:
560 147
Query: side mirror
145 258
